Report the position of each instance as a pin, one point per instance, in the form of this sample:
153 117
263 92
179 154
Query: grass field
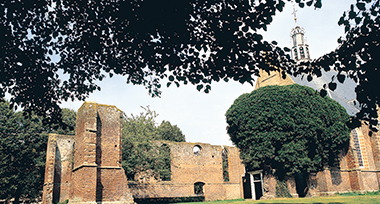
338 199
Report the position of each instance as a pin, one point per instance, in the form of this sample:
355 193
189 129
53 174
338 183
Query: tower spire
300 48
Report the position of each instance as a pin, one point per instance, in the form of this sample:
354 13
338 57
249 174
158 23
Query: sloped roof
344 94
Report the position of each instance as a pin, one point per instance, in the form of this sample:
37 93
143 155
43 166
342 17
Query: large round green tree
288 128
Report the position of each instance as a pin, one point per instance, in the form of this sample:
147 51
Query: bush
282 190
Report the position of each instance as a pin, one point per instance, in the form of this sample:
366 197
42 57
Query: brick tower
97 174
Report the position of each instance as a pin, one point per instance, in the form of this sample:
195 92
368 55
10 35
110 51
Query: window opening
197 150
302 53
198 188
226 175
165 172
357 148
295 54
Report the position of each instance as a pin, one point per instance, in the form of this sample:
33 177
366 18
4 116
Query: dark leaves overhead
194 41
143 40
357 57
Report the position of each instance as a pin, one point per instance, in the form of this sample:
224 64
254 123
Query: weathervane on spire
295 14
300 49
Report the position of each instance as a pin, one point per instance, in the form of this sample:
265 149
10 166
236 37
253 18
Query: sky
201 116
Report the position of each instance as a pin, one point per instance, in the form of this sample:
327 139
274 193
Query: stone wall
188 168
59 161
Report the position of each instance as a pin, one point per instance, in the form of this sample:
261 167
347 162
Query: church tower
300 48
300 53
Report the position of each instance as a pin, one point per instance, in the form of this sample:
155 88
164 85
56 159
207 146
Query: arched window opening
165 173
307 52
357 148
226 175
198 188
302 53
295 54
197 150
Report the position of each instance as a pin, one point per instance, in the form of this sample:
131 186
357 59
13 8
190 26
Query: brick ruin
195 164
86 168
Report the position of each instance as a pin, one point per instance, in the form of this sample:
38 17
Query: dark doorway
301 183
247 186
252 185
258 189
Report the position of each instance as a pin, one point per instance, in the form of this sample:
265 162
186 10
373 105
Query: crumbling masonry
91 173
195 164
87 168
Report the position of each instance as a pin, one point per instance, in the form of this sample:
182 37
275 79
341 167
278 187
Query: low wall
167 189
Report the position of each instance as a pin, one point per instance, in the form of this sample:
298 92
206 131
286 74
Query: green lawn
317 200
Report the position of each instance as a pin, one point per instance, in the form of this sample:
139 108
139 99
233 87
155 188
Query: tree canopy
23 142
194 41
144 145
288 128
170 132
357 58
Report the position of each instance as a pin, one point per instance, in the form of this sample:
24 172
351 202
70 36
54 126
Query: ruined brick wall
59 161
89 169
47 195
97 175
188 168
92 172
269 186
84 176
236 170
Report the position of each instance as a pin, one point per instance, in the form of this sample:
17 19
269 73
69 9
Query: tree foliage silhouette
194 41
357 57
